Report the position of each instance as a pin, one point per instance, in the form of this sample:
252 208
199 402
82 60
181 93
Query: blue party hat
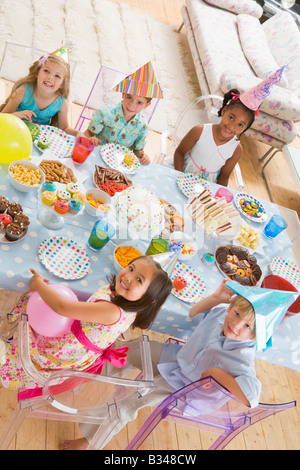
270 307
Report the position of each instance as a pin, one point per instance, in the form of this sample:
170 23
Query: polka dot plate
195 289
113 155
64 258
61 144
190 184
287 269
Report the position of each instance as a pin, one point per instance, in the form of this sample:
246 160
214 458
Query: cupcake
3 204
13 232
61 206
80 197
43 143
75 206
72 188
22 220
49 198
129 159
63 195
48 186
13 208
6 219
179 283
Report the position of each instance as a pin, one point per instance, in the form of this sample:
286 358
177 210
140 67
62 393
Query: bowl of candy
97 202
123 255
188 246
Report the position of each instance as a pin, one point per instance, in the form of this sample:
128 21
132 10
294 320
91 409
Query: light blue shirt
109 125
43 116
207 348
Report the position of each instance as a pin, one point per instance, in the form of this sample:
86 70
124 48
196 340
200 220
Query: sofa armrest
281 102
250 7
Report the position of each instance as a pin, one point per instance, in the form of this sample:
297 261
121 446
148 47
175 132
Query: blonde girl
41 96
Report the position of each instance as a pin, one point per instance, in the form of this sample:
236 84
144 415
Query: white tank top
206 158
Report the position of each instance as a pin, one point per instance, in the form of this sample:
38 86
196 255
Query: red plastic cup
279 283
82 149
223 192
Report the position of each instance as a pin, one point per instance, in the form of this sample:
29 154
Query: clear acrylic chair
102 94
208 406
76 396
202 110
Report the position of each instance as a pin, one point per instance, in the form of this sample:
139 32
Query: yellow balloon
15 139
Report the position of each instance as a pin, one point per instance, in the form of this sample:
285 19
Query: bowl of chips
123 255
97 202
25 175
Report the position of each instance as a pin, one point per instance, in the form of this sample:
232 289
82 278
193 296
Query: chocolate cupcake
21 219
14 208
3 204
13 232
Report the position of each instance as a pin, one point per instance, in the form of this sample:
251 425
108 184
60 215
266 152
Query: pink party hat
254 97
142 82
270 307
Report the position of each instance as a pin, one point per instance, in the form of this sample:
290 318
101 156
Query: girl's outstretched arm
228 168
185 145
13 103
102 311
221 295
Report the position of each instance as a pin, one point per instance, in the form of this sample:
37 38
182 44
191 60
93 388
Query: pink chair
207 405
102 94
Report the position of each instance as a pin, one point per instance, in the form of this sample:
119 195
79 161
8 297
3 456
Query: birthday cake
139 211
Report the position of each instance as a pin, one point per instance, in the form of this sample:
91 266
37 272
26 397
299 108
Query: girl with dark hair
212 150
133 297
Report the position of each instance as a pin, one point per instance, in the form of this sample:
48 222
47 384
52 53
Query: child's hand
145 160
35 280
26 114
223 293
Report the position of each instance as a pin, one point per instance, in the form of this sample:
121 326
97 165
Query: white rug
104 33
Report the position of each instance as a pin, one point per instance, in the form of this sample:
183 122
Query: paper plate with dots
195 289
61 144
190 184
287 269
64 258
113 155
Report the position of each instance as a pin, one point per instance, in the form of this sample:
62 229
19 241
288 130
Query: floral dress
64 352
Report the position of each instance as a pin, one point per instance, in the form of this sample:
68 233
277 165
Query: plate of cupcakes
13 222
62 199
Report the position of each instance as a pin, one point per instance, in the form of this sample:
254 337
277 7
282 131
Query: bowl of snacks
97 202
237 264
189 246
123 254
25 175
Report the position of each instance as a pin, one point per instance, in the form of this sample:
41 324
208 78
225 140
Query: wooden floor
279 384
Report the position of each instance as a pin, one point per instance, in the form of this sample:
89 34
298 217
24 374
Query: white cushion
281 103
239 6
256 49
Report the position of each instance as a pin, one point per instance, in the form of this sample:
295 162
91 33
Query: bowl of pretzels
25 176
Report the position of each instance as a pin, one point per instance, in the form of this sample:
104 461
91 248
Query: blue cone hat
270 307
167 260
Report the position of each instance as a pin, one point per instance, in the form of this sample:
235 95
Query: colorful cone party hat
167 260
254 97
142 82
63 53
270 307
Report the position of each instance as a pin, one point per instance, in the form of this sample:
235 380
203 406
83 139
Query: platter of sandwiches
214 215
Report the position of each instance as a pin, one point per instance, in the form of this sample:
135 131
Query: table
173 319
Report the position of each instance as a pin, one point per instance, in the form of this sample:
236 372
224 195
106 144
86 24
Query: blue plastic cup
274 227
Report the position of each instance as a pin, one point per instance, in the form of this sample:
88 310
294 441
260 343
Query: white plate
287 269
64 258
190 184
61 144
113 155
238 197
195 289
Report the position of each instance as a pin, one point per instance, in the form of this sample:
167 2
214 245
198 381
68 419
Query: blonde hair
34 69
246 309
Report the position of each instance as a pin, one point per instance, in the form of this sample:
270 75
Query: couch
231 48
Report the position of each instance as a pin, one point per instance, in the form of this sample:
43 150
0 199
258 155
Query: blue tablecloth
173 319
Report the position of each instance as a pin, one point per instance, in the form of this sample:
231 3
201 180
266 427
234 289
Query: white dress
206 158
